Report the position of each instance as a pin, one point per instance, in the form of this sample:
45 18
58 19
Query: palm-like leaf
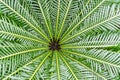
59 40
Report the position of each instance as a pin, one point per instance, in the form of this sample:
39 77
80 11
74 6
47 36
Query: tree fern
59 40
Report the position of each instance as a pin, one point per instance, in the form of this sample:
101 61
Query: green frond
103 40
106 21
11 31
75 77
97 74
89 12
46 7
57 18
102 59
18 69
57 64
38 67
17 53
16 59
64 18
16 9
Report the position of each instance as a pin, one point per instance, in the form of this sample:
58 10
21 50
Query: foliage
59 40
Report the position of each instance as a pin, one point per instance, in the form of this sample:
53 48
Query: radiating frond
87 10
106 21
9 31
19 13
96 41
101 60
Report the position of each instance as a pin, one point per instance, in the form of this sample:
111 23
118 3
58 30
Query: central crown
54 44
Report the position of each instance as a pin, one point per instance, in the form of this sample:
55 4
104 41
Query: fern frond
26 64
96 41
11 31
64 18
69 67
16 11
101 58
90 11
45 8
106 20
99 76
38 67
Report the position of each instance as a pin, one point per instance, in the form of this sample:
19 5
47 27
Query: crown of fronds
59 39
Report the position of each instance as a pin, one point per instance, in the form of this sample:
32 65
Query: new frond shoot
54 44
